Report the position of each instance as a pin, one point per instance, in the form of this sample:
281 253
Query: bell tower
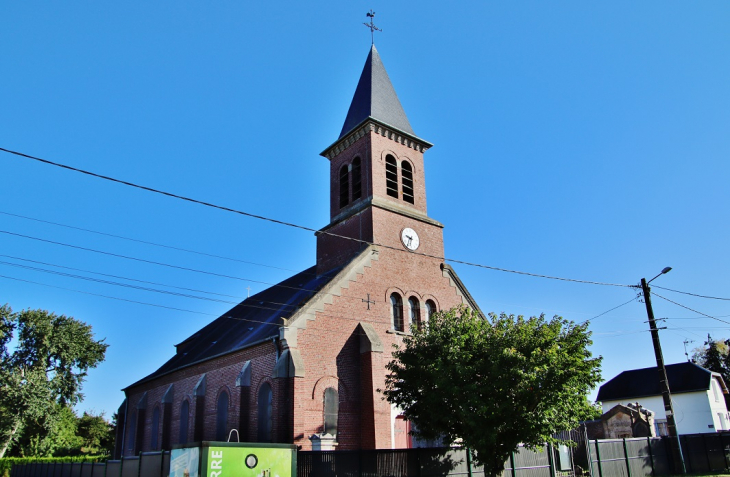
377 180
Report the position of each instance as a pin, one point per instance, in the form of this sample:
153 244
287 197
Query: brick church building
302 361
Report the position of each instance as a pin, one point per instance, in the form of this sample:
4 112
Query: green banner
249 462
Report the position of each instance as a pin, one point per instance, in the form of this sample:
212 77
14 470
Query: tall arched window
344 186
407 174
391 176
184 416
356 179
430 308
397 306
414 311
264 414
331 409
221 417
155 428
132 431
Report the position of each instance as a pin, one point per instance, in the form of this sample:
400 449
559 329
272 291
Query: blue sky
574 139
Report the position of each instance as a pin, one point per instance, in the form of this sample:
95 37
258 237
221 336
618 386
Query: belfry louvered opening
391 176
407 174
344 186
356 179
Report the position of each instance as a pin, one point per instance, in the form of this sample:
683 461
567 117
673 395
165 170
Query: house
302 361
697 397
621 421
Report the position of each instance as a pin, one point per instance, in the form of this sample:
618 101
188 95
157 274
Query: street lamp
663 383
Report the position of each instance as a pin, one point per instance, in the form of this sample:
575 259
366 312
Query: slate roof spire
375 98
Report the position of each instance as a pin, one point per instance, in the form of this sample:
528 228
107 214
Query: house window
414 310
344 186
407 174
430 309
397 306
331 409
661 427
184 416
155 428
264 413
356 179
221 422
722 420
391 176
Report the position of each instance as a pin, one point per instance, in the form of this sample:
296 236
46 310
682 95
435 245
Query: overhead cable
301 227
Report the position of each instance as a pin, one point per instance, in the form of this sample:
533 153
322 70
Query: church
302 361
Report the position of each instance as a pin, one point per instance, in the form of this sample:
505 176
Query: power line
171 247
692 294
608 311
301 227
116 276
151 262
690 309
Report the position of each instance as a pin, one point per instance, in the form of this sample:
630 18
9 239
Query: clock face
410 239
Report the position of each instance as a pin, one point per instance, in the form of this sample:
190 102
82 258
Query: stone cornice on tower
373 125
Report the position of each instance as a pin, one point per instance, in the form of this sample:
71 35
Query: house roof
252 321
635 383
375 98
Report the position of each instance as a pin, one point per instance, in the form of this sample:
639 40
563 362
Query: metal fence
423 462
648 456
430 462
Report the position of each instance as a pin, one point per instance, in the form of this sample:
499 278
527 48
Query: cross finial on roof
372 26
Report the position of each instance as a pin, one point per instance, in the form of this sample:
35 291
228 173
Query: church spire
375 98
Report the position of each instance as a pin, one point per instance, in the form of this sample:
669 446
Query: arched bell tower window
407 174
430 309
331 409
344 186
391 176
397 306
356 179
414 311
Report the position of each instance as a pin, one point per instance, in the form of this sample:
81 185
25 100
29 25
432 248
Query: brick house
302 361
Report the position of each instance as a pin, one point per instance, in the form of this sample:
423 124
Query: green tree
493 383
715 356
53 434
46 367
96 434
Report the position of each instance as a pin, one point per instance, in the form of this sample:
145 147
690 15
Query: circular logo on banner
251 461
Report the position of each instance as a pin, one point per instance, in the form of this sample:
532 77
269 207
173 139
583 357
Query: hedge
7 462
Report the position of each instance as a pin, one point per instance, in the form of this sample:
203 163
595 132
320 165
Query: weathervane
372 26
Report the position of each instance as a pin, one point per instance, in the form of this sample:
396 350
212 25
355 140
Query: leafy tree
96 434
53 434
47 367
493 383
715 356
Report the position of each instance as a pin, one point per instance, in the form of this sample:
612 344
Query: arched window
414 310
221 417
430 309
184 416
407 174
155 428
331 408
391 176
264 414
344 186
356 179
397 307
132 434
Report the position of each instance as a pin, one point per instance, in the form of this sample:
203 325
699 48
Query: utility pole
663 383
